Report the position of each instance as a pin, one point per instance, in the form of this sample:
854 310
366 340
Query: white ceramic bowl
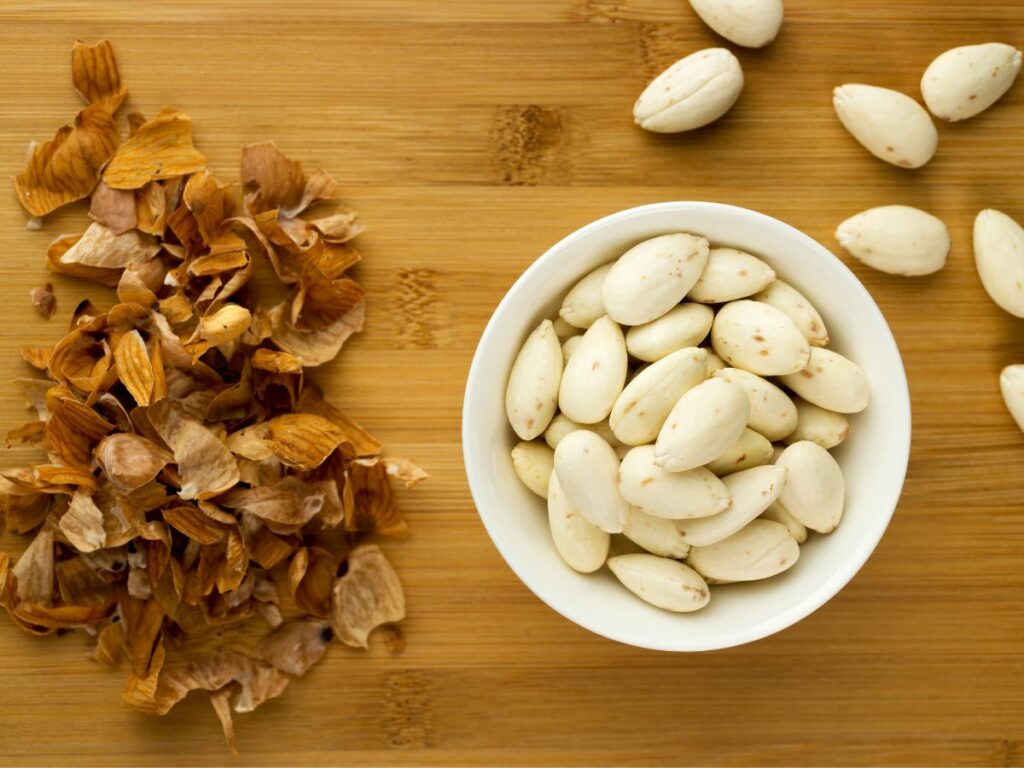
873 459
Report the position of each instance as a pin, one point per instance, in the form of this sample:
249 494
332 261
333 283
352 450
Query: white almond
750 450
965 81
645 403
652 277
588 471
730 275
595 374
792 303
714 362
582 545
705 422
831 381
891 125
569 346
655 534
999 257
1011 383
761 550
815 492
896 239
693 92
563 330
759 338
796 529
750 23
671 495
685 326
751 491
582 305
772 412
533 462
826 428
533 383
562 425
659 581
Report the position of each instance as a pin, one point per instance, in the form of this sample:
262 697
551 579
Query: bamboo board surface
471 135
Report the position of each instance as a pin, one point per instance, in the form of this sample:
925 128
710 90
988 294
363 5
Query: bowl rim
474 467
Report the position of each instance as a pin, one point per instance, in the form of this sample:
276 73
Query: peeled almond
750 23
999 257
693 92
652 277
561 426
588 471
655 534
671 495
759 338
896 239
814 492
964 81
1011 383
772 412
792 303
569 346
684 326
761 550
751 491
533 384
660 581
644 404
730 275
831 381
705 422
582 305
582 545
752 449
796 529
826 428
713 362
890 125
564 331
533 462
595 374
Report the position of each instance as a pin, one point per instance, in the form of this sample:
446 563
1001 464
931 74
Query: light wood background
471 135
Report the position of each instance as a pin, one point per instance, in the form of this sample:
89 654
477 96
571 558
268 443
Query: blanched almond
965 81
792 303
588 471
564 331
999 257
759 338
750 23
751 491
826 428
1011 384
796 529
889 124
582 546
655 534
644 404
705 422
533 462
896 239
533 384
684 326
659 581
815 492
672 495
595 374
761 550
752 449
693 92
569 346
652 277
582 305
730 275
831 381
714 362
562 425
772 412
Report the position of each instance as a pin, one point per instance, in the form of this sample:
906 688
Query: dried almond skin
130 461
303 440
207 467
43 300
160 149
368 595
100 247
134 368
660 581
95 75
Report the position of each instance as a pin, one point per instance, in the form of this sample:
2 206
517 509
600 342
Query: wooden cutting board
471 135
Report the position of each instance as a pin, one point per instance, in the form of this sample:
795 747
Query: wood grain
472 134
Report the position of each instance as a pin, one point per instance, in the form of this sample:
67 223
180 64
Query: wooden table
472 134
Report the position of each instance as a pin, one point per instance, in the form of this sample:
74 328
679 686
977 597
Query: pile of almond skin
192 481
